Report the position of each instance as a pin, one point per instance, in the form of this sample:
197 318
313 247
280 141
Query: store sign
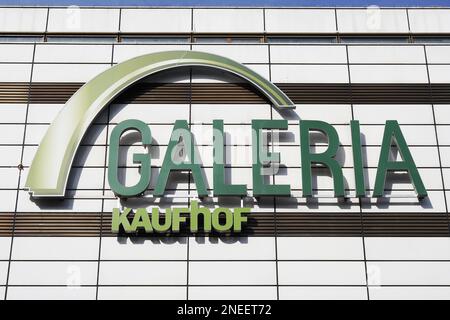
181 142
49 172
198 218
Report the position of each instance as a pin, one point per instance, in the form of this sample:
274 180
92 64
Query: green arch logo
49 171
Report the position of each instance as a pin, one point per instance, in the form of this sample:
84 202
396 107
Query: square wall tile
75 19
16 52
15 72
321 273
407 248
156 20
388 74
5 247
308 54
233 293
240 53
51 293
372 20
312 248
118 248
55 248
124 52
439 73
300 20
142 293
68 53
408 273
309 73
3 272
143 273
429 21
232 273
409 293
228 20
438 54
323 293
23 19
67 72
13 113
68 273
251 248
386 54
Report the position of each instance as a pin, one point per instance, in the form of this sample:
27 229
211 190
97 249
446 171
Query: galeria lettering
181 156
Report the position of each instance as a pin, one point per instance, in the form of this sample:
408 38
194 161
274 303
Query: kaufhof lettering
198 218
181 156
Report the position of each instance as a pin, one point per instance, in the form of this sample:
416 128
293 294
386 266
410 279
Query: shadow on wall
140 240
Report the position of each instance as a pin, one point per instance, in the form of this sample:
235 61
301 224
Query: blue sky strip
233 3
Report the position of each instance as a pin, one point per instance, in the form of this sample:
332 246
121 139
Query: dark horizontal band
239 93
69 224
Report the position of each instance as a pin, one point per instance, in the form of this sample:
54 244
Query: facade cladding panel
394 247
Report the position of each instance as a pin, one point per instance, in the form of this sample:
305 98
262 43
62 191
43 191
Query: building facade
336 65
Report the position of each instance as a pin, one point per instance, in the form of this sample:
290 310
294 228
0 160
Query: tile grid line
268 284
20 168
338 37
359 198
409 23
275 220
188 238
119 31
437 136
445 260
46 25
108 110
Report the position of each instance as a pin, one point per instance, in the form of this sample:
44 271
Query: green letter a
392 132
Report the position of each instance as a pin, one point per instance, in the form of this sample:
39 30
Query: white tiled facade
259 267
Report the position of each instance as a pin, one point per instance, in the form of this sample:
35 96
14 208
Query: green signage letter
220 188
327 158
392 132
357 159
142 158
259 187
172 163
